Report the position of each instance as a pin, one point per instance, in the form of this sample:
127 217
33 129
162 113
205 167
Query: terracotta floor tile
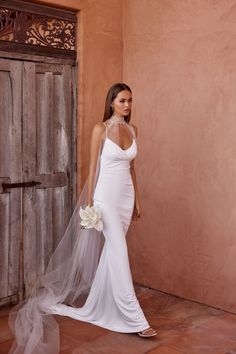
226 324
191 313
156 302
81 331
202 340
183 327
166 327
68 343
5 311
232 351
5 332
164 350
140 289
60 319
69 351
5 346
118 343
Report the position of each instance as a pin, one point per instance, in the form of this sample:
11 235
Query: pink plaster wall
180 60
99 63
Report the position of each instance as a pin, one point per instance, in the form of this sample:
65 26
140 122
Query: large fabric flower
91 218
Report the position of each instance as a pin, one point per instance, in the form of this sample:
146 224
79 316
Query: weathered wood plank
54 69
44 228
14 299
52 180
36 50
4 241
2 181
35 58
48 236
60 146
15 161
74 137
10 167
67 93
29 122
60 150
63 161
6 114
44 102
57 215
62 117
28 172
40 231
29 241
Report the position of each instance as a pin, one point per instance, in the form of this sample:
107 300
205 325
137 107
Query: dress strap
106 128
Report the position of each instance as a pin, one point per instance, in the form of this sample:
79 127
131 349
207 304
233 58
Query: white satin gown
112 302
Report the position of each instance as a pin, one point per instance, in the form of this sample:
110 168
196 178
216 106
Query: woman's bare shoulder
99 129
135 128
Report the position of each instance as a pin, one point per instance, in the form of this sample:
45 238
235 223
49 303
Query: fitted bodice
114 158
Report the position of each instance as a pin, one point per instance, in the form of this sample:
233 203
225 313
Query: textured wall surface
180 60
99 63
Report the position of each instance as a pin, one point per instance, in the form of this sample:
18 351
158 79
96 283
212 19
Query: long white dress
112 302
75 268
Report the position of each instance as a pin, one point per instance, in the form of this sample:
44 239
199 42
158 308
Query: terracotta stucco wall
180 60
99 63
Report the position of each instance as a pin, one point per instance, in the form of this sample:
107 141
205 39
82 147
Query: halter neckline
117 119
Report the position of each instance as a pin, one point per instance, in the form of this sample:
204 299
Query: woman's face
122 103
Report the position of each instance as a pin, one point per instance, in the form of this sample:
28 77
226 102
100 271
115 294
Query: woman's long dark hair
112 93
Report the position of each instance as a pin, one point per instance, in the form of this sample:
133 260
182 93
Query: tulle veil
68 277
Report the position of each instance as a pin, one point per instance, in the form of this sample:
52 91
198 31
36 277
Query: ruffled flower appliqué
91 218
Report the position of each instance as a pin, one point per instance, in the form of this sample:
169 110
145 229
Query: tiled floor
184 327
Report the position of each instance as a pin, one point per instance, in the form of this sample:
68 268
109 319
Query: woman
81 282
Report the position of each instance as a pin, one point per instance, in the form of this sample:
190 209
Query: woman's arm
94 151
133 175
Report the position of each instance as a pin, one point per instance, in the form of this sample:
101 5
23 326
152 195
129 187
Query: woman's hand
89 203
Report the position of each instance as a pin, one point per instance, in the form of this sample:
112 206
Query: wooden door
47 162
10 171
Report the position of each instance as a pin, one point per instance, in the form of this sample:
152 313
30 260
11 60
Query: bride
88 277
